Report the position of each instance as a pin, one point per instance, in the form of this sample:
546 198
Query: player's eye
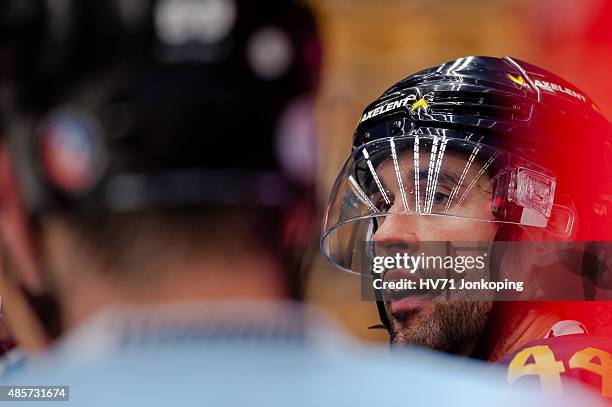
440 198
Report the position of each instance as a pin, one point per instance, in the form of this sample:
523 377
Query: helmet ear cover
523 196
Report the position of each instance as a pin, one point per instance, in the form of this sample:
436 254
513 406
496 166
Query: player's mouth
404 301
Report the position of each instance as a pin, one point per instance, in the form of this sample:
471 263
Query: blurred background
370 44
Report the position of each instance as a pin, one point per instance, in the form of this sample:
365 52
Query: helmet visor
436 176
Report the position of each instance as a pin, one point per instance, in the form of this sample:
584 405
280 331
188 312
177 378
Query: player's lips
405 305
405 300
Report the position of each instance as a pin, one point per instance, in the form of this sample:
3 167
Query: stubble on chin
448 326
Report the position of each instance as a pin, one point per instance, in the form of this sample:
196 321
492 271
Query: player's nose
398 232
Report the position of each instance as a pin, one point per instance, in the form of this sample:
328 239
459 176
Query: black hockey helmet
538 142
125 105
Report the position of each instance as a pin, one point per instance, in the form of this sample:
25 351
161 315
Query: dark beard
452 327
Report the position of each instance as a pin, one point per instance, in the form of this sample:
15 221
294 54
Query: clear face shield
445 199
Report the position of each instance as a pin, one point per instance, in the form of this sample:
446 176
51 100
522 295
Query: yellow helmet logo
420 104
519 80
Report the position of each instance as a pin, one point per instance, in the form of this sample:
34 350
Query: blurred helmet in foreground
125 105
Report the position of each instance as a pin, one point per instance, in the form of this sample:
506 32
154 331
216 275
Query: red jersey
556 359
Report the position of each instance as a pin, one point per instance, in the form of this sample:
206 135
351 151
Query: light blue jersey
253 354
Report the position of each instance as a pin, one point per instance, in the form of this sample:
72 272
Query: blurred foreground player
154 189
503 153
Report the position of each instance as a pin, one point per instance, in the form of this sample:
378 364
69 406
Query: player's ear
15 232
20 280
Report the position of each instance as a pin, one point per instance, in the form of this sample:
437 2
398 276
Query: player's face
418 318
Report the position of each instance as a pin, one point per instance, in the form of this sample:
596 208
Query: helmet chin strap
382 313
380 303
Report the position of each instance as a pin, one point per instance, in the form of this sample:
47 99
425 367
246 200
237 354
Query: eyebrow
444 175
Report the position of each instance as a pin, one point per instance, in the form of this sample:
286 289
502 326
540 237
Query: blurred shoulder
553 362
279 375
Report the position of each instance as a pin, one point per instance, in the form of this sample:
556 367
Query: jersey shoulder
555 360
